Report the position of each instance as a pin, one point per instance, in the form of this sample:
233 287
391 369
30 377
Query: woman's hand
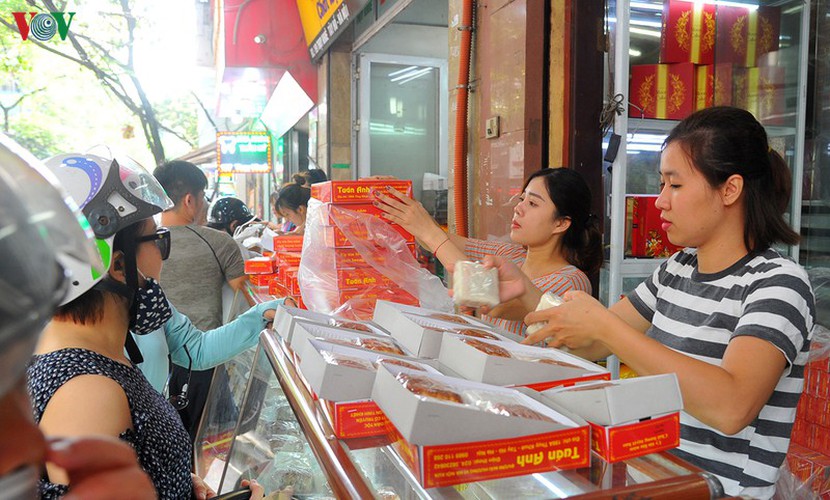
576 324
98 466
411 215
258 492
200 488
512 281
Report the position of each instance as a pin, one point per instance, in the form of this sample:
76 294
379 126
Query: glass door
402 117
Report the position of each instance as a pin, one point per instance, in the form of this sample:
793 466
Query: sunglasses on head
162 239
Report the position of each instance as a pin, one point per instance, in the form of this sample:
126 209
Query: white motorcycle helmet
112 194
42 234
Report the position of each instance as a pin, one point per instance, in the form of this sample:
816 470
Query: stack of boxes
356 278
809 454
712 55
278 270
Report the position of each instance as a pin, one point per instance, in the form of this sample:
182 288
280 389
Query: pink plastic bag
400 278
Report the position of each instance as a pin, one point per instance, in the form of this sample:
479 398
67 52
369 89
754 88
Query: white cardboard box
285 317
387 314
422 335
620 401
305 330
473 364
339 382
429 421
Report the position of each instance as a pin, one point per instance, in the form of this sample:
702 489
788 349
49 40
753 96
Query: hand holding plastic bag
381 247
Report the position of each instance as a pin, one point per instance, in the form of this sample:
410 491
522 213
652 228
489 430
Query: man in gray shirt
201 261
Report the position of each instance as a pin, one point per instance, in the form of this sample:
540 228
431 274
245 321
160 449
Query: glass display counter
282 439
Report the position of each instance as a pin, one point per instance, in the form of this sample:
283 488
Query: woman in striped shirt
729 315
555 240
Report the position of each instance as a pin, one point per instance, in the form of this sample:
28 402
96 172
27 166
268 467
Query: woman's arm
87 405
727 397
214 347
411 215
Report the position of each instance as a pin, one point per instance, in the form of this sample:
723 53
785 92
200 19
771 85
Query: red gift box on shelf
335 238
260 265
746 33
644 235
688 32
356 191
704 86
350 257
361 208
723 84
761 92
288 243
665 91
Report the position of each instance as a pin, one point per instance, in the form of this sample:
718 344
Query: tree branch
177 134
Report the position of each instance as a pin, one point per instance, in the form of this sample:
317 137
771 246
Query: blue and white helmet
112 194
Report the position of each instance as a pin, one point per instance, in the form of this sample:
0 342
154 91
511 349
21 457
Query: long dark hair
582 241
724 141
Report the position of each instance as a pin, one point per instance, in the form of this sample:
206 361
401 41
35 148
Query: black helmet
228 209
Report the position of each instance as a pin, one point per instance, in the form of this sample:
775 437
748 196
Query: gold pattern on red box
664 91
688 32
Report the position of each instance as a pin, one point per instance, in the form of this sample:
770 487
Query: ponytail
583 245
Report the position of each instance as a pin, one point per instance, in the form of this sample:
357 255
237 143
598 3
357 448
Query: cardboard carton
306 330
628 417
471 443
746 33
704 86
535 367
761 92
349 257
260 265
665 91
286 317
688 32
356 191
422 335
288 243
335 238
387 314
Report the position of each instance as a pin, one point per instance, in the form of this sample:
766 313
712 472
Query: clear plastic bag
381 247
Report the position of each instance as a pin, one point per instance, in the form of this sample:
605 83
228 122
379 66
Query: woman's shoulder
563 280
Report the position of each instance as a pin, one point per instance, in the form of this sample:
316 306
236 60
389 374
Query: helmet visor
142 184
49 209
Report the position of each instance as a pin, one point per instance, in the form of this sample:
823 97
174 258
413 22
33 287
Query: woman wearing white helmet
39 236
80 380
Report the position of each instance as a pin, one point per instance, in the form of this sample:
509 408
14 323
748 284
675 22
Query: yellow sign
314 15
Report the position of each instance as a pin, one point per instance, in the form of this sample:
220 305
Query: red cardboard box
356 191
289 259
665 91
629 417
288 243
261 279
723 85
704 86
688 32
260 265
347 257
361 277
290 280
644 235
621 442
761 92
400 295
335 238
361 208
745 33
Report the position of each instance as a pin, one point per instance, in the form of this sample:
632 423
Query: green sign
243 152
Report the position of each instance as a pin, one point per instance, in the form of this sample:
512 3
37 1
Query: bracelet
440 245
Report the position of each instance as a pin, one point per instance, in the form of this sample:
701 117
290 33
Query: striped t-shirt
763 295
558 282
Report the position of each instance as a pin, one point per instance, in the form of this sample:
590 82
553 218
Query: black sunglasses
162 239
180 400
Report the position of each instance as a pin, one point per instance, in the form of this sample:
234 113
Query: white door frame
363 106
